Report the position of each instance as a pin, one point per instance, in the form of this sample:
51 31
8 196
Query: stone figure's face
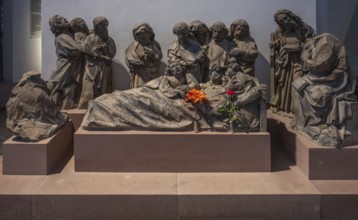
178 70
182 36
102 30
200 35
219 34
143 37
240 31
284 21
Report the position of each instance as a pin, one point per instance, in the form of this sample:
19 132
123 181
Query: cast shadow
121 75
262 72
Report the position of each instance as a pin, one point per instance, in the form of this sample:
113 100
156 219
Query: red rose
230 92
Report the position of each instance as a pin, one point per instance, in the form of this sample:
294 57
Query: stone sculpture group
209 80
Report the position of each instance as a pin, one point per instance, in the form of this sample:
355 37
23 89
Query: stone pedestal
76 116
37 158
315 161
145 151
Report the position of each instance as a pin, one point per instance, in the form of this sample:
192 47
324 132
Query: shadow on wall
121 74
351 43
262 72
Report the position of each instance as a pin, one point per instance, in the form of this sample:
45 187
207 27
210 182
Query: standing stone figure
219 46
187 51
200 32
143 56
323 97
81 31
286 65
62 83
100 49
245 49
32 115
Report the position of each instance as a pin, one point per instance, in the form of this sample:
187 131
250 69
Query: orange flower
196 96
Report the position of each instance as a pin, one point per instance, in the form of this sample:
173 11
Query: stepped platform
76 116
150 151
315 161
283 193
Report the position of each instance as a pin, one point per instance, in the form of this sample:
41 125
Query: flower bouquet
196 97
231 109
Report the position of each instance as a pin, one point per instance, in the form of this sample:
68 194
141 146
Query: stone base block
145 151
76 116
37 158
315 161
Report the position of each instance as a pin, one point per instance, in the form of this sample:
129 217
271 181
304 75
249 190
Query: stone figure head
79 25
216 74
143 33
176 69
181 30
219 31
324 53
100 26
59 24
287 20
239 29
200 31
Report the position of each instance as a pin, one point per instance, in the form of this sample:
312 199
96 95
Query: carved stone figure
62 83
100 49
157 105
219 45
245 49
143 56
200 32
187 50
81 31
32 115
286 65
325 94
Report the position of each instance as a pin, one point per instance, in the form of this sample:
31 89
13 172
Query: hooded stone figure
143 56
32 115
100 49
323 97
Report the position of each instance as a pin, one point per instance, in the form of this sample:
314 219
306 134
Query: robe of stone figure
288 64
32 115
218 53
63 79
148 70
323 97
98 77
188 55
247 60
157 105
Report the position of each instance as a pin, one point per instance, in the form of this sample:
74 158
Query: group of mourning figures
310 78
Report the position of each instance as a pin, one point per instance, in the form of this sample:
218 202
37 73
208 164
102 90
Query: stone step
283 193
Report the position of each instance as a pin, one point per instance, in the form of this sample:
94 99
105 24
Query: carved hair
58 24
143 26
239 22
290 14
99 20
180 26
79 25
219 24
196 26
